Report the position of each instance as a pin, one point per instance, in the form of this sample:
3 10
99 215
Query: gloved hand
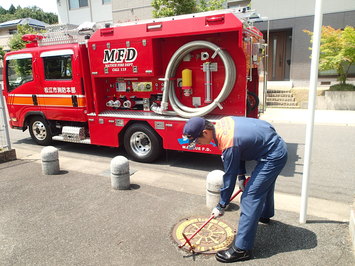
241 182
218 211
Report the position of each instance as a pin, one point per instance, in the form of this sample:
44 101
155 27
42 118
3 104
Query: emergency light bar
32 37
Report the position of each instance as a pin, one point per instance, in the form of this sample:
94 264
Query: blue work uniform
245 139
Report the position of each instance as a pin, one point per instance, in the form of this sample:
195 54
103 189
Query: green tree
16 42
166 8
208 5
7 17
2 53
337 50
27 12
12 9
3 11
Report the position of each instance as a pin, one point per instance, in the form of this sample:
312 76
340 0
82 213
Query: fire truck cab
135 84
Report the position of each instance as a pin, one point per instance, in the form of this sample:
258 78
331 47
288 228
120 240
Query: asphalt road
75 218
332 164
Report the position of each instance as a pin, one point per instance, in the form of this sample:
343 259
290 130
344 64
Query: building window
58 67
19 72
77 3
106 1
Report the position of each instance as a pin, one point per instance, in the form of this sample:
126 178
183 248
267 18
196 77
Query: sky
46 5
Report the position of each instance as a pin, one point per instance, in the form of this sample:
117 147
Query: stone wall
301 96
336 100
326 100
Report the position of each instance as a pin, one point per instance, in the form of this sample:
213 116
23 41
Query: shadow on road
278 237
290 167
187 160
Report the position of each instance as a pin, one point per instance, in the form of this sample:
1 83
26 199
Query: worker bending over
243 139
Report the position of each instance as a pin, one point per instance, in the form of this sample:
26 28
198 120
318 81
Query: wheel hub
39 130
140 143
145 141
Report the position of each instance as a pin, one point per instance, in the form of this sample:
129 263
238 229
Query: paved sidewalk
76 218
321 117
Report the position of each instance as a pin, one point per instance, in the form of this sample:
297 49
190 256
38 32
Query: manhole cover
216 235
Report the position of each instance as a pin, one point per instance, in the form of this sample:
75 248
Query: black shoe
232 255
264 220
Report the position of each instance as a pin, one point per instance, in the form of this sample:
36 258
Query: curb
352 225
8 155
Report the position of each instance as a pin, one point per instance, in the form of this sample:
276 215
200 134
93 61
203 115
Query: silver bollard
214 183
120 173
50 161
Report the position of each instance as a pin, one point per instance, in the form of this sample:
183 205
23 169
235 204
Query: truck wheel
142 143
40 131
252 101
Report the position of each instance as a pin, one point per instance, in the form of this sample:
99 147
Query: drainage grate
216 235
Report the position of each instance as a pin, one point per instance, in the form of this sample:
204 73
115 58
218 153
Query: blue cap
193 128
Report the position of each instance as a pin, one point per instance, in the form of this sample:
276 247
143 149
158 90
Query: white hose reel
169 92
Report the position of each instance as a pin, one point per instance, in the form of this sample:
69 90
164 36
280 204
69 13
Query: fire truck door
62 86
21 87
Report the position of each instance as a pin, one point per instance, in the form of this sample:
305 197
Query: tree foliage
2 53
12 9
166 8
337 50
27 12
208 5
16 42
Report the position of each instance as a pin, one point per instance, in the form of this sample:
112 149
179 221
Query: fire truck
135 84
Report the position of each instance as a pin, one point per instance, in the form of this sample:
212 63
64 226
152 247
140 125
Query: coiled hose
169 91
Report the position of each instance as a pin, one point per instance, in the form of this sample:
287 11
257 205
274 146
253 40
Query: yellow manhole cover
216 235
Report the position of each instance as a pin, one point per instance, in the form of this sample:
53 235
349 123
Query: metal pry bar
188 240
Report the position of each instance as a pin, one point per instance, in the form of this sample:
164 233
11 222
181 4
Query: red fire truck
135 84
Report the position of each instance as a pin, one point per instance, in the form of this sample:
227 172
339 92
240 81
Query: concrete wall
63 13
95 12
352 225
123 11
279 9
337 100
101 12
4 38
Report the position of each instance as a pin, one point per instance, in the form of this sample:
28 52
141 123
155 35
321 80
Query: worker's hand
218 211
241 182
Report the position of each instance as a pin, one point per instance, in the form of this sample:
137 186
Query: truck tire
40 131
142 143
252 101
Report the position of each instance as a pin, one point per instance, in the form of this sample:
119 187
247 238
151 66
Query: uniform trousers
258 197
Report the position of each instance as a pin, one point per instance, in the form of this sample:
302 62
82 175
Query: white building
123 10
289 54
79 11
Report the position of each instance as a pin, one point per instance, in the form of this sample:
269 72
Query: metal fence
5 143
